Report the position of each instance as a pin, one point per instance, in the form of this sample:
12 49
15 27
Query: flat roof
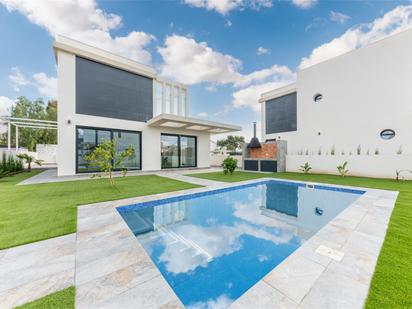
75 47
193 124
278 92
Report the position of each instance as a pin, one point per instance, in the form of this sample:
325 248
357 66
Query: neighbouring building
356 107
105 96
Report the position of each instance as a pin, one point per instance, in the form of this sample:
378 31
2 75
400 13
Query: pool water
212 247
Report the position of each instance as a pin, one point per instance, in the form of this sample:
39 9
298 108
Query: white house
105 96
356 107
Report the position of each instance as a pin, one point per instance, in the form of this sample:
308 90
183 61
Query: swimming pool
213 246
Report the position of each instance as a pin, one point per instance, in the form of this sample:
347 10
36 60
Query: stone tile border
113 269
29 272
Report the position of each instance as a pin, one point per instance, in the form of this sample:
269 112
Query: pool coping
113 269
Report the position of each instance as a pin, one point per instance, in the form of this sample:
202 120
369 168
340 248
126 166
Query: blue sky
228 51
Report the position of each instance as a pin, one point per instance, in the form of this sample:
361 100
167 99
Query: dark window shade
280 114
105 91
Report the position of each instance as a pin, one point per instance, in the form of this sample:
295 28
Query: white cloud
5 105
84 21
304 4
46 85
338 17
262 51
392 22
202 114
225 6
191 62
228 23
17 79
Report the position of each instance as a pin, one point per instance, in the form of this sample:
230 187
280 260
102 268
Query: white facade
364 92
66 51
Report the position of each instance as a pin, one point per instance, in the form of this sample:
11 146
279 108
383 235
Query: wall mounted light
319 133
69 121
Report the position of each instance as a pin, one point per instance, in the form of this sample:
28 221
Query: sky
227 51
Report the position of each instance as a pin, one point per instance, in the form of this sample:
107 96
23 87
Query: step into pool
211 247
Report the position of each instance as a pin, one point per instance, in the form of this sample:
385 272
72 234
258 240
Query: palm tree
29 160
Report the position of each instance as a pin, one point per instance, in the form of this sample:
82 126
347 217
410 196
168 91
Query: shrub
10 165
342 169
229 165
305 168
107 159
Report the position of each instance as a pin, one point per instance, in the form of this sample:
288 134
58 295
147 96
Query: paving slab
35 270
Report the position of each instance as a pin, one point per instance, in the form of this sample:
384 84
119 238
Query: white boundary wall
378 166
47 153
217 159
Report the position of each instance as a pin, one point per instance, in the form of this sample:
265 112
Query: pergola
25 123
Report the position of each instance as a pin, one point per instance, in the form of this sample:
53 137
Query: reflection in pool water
212 248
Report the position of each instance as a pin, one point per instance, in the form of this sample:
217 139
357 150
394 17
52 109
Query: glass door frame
139 133
178 150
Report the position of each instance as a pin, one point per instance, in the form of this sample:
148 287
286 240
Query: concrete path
50 175
193 180
35 270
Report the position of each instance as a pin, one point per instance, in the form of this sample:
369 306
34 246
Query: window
89 138
167 99
317 97
387 134
178 151
159 96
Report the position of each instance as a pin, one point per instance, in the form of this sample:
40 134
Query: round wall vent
387 134
317 97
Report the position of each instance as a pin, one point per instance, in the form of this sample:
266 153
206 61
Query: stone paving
113 270
35 270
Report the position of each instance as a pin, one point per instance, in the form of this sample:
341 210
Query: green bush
10 165
229 165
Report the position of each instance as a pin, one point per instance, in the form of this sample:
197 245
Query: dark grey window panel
280 114
268 166
251 165
105 91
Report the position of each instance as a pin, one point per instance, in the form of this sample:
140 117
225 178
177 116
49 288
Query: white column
179 104
187 103
172 99
8 135
17 138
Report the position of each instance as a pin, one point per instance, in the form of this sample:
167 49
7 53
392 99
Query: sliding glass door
89 138
178 151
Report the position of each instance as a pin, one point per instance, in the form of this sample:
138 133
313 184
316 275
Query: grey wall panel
280 114
105 91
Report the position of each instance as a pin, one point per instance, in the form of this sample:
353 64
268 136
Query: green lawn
392 282
34 212
64 299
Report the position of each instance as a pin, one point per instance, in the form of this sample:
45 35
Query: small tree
29 160
229 165
342 169
105 157
305 168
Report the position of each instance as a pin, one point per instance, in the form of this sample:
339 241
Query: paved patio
32 271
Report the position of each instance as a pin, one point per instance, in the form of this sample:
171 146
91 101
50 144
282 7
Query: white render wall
377 166
364 92
151 159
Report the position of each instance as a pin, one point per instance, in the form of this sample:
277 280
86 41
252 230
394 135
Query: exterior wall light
69 121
